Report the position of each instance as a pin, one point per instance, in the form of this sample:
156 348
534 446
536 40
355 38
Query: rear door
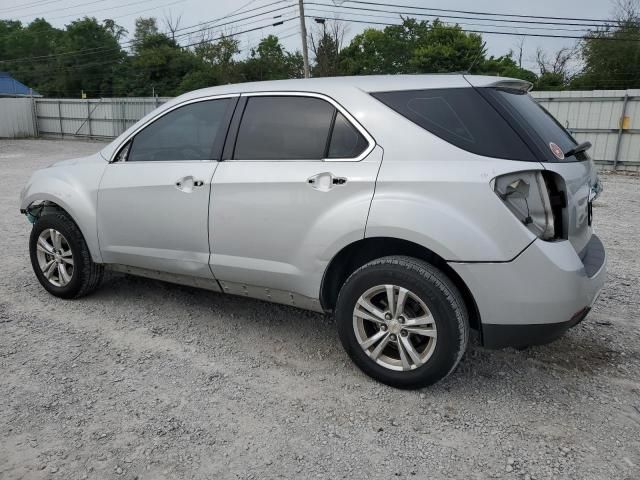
550 141
294 187
153 201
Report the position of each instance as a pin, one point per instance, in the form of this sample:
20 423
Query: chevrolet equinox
412 208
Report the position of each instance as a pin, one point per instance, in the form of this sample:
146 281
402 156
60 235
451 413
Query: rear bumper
535 298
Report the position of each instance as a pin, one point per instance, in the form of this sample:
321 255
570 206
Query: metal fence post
89 118
60 118
34 112
620 130
123 114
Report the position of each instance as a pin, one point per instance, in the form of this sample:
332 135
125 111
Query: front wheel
60 257
402 322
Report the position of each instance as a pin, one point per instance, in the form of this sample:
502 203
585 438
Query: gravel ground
149 380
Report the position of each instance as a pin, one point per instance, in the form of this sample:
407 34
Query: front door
296 188
153 200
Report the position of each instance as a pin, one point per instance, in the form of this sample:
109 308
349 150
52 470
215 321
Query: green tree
505 66
158 65
384 51
414 47
445 49
325 44
145 28
38 39
555 73
93 71
612 55
270 61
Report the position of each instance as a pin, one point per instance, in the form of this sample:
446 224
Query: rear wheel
60 257
402 321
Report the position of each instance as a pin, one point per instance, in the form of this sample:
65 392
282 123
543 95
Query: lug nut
383 328
401 319
392 337
404 333
387 316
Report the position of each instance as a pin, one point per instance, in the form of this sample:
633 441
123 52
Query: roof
366 83
10 87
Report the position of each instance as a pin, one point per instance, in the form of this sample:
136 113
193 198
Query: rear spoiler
499 82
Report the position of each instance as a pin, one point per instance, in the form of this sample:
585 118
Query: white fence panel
599 116
96 118
596 116
17 119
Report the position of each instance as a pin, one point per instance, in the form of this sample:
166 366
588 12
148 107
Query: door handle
187 184
325 181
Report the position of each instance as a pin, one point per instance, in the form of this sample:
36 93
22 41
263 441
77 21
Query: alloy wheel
55 258
394 327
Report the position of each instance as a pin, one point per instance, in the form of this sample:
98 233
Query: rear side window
346 140
284 128
533 119
462 117
186 133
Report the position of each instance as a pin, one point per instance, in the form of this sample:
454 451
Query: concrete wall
17 118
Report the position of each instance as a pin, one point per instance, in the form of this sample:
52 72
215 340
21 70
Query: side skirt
232 288
187 280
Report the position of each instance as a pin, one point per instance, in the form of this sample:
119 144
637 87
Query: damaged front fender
72 188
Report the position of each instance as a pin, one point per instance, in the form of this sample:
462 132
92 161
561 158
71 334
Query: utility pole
303 32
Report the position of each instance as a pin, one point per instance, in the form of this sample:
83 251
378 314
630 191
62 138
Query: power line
131 42
38 14
29 5
491 32
470 12
158 67
457 23
502 20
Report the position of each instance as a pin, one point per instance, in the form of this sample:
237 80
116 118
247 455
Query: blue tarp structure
10 87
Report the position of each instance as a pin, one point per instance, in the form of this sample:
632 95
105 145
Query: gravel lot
149 380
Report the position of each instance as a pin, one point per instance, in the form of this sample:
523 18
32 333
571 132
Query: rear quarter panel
439 196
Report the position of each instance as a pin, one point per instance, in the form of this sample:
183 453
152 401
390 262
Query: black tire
86 275
436 291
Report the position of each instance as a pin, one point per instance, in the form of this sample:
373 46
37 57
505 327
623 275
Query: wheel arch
356 254
51 203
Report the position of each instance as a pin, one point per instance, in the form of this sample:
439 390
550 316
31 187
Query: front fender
73 187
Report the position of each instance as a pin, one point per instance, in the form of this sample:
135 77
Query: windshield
535 122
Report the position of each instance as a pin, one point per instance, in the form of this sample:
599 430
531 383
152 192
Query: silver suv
413 208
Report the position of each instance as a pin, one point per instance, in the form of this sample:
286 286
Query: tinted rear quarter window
462 117
346 140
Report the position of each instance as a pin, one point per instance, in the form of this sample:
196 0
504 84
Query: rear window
462 117
535 122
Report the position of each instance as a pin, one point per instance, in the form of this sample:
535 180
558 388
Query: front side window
186 133
284 128
462 117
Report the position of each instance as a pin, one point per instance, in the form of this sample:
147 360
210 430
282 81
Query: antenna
475 60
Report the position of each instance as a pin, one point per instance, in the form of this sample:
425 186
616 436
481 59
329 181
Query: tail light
527 196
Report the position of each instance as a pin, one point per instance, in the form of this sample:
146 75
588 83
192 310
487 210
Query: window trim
371 143
161 114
